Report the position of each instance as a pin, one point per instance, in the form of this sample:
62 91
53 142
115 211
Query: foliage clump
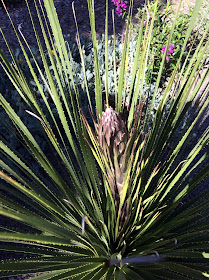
162 27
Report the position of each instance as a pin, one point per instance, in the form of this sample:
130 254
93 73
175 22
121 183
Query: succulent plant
116 199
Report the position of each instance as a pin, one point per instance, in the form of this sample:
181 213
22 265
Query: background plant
161 31
121 205
10 93
115 47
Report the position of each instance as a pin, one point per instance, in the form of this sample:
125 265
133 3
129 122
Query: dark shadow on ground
19 15
100 8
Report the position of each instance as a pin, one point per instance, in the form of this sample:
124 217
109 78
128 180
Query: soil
19 15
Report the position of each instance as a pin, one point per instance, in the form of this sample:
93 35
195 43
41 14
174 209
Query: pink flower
170 50
118 11
163 49
123 6
120 6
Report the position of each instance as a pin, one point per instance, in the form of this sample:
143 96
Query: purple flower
123 5
163 49
120 6
119 12
170 50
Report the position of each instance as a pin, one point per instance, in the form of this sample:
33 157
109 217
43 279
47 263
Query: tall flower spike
111 128
113 138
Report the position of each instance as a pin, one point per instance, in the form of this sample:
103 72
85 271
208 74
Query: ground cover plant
110 197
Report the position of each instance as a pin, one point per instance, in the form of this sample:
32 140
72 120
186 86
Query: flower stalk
114 140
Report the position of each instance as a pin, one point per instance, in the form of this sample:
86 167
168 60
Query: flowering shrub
161 31
120 7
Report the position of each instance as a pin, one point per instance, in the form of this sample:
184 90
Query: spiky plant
124 202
